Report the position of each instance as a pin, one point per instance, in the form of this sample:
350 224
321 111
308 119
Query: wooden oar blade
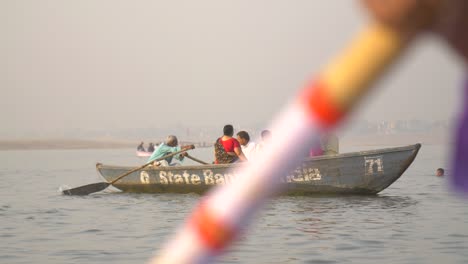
96 187
87 189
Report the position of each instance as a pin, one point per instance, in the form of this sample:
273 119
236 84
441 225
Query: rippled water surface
416 220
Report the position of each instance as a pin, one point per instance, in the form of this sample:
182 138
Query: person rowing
170 145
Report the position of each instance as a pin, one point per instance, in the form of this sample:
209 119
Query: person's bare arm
240 154
187 147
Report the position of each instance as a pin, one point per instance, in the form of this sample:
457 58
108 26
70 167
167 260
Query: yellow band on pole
349 75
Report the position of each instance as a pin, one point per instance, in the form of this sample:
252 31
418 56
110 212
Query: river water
416 220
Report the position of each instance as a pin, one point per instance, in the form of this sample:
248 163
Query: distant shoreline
39 144
361 140
397 139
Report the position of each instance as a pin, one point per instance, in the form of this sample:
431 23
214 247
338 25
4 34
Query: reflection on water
328 211
416 220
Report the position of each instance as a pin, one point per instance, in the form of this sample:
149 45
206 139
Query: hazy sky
120 64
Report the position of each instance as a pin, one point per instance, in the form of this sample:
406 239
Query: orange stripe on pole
347 78
214 234
319 104
326 102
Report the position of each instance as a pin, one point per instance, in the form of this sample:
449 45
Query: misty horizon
120 65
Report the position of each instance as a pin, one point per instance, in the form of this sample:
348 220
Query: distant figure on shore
440 172
140 147
227 149
265 137
151 147
171 145
248 147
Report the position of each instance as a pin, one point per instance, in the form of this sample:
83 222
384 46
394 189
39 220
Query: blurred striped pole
319 107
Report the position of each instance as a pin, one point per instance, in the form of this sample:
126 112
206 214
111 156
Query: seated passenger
316 149
247 146
227 149
266 137
168 147
327 145
330 144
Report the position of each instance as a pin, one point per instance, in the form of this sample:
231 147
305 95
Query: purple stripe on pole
460 159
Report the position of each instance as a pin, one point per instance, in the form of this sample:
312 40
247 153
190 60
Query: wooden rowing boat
364 172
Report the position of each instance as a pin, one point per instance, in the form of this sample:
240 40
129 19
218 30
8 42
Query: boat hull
365 172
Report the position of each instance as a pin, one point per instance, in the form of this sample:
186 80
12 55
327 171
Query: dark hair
228 130
441 170
266 133
244 135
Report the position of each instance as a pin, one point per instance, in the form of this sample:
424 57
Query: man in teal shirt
168 147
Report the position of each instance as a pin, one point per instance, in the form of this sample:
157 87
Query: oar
96 187
197 160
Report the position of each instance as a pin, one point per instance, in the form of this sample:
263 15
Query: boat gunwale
414 147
